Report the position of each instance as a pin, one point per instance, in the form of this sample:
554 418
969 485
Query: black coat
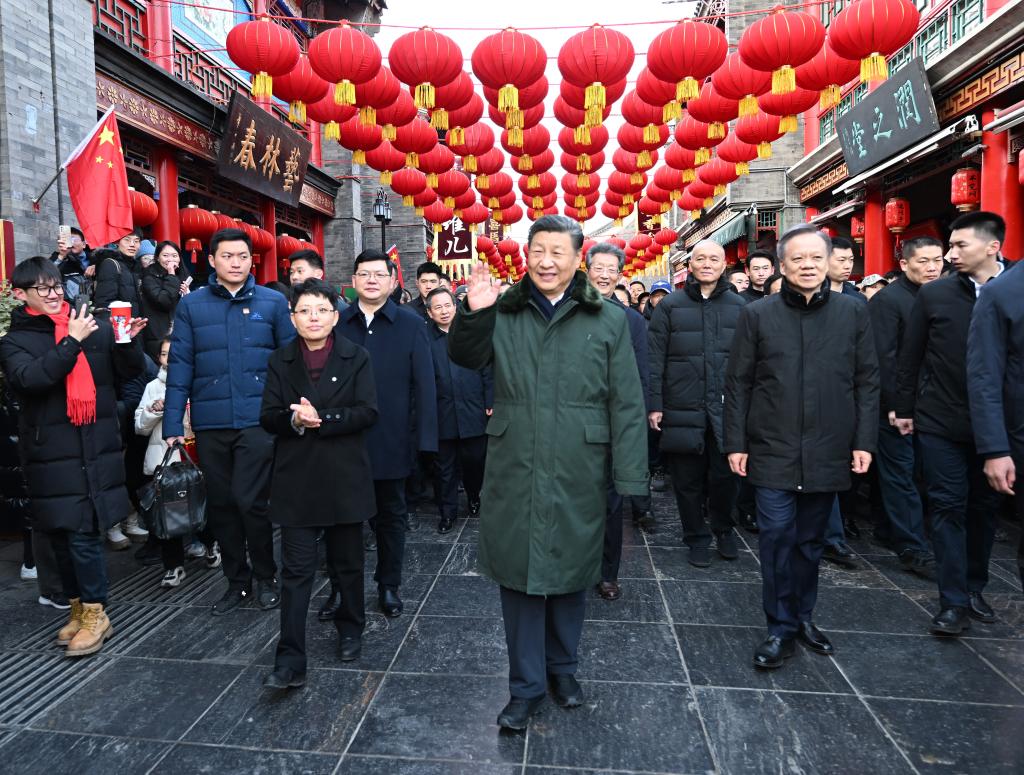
116 280
931 385
801 390
890 312
323 476
995 368
638 337
689 340
752 294
14 504
419 306
70 265
159 297
463 395
73 472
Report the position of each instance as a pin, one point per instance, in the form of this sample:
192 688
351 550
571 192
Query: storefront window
901 57
767 219
844 105
860 93
827 126
967 14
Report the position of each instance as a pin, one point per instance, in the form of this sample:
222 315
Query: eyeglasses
307 312
48 290
604 271
363 275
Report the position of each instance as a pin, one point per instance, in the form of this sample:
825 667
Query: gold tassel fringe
784 80
344 93
425 96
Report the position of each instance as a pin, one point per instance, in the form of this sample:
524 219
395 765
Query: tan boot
70 630
95 629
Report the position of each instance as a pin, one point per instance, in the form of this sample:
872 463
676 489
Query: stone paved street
666 672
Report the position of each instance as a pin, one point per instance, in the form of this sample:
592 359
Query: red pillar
160 34
1001 191
316 155
165 165
878 250
267 270
318 233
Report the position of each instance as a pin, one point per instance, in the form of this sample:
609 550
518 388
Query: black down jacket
117 279
72 471
160 294
688 344
14 510
801 391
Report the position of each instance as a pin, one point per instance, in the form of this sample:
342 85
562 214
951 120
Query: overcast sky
491 16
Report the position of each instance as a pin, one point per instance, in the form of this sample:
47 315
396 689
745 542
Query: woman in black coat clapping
319 400
164 282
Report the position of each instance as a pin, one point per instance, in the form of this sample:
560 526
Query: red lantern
571 142
194 246
686 54
435 161
608 210
576 96
449 97
696 135
498 185
414 138
359 138
702 191
344 56
737 152
683 159
871 30
196 223
376 93
387 160
537 186
826 72
486 165
575 118
738 81
779 43
640 243
533 165
718 173
670 179
530 97
425 59
897 215
508 215
397 114
144 209
627 162
531 142
857 229
407 183
437 214
460 118
593 58
224 221
484 245
451 184
631 139
329 113
581 214
524 119
582 163
788 106
655 91
474 215
423 199
966 189
714 109
477 140
299 87
643 114
509 61
761 129
264 49
690 204
286 245
464 201
624 183
666 237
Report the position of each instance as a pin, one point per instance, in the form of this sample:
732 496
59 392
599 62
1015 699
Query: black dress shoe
267 595
370 541
726 545
330 607
645 521
609 590
851 528
919 563
284 678
749 523
815 639
980 610
516 715
445 525
234 597
842 555
951 621
773 652
389 601
700 556
474 507
350 649
566 690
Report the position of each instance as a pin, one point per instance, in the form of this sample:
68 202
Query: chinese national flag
98 184
393 255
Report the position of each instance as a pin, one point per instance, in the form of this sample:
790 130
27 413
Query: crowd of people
776 397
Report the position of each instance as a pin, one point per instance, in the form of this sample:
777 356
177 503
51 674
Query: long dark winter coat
159 298
117 279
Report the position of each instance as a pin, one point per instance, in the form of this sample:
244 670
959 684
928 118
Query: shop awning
837 212
1007 118
732 230
941 138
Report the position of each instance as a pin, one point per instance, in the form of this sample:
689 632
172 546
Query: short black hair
34 271
429 267
799 230
76 230
843 243
737 269
314 287
621 287
642 296
311 257
228 235
984 223
769 281
136 232
759 254
911 246
446 276
280 287
638 282
439 292
369 255
560 224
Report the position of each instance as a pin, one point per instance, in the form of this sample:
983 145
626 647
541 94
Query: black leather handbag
174 502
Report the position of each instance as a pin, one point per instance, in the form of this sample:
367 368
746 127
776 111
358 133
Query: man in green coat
568 413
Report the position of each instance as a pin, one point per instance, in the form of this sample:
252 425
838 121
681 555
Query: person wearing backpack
117 273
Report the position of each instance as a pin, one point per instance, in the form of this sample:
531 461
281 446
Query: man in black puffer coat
117 273
71 443
689 341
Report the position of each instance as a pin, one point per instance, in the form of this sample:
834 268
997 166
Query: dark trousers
612 555
48 574
791 540
389 524
344 544
172 551
81 564
900 498
963 509
745 499
700 478
543 638
237 466
453 455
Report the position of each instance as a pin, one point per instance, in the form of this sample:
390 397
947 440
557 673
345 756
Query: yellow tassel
628 199
695 214
687 89
515 137
623 212
748 106
449 201
385 178
579 201
412 159
641 253
651 134
437 228
581 134
537 213
514 119
407 200
583 181
719 189
829 97
532 182
262 85
424 96
389 132
359 157
481 182
742 168
644 161
708 202
344 93
525 163
689 176
508 97
716 131
472 228
296 112
675 194
431 179
764 150
595 96
873 68
537 203
439 119
671 111
618 222
332 130
367 116
636 178
493 202
496 215
788 124
583 162
784 80
469 163
702 156
419 212
457 136
593 117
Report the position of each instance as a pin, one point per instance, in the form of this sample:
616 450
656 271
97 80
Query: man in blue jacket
223 336
406 400
995 384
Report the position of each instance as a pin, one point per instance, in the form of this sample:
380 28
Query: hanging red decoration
451 184
387 160
449 97
197 223
476 140
536 187
423 199
965 192
671 180
593 58
224 221
717 173
582 163
425 59
703 191
615 212
696 135
632 163
359 138
826 72
682 159
691 204
534 141
498 185
464 200
344 56
527 118
264 49
397 114
575 118
378 92
484 246
761 129
857 229
897 215
739 81
576 96
871 30
330 114
640 243
737 152
530 98
686 54
509 61
643 114
527 165
571 142
666 237
713 109
415 138
437 214
286 245
779 42
486 165
460 118
508 216
581 214
437 160
299 87
788 106
407 183
655 91
144 209
632 139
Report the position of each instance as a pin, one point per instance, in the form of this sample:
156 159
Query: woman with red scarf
62 367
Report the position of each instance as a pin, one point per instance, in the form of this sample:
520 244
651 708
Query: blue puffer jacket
219 350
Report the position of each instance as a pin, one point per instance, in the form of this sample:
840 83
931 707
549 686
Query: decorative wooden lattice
124 20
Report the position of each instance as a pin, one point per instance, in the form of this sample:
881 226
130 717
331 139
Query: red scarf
78 384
